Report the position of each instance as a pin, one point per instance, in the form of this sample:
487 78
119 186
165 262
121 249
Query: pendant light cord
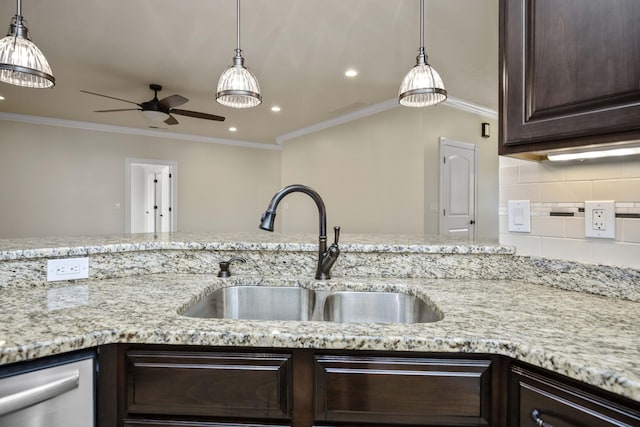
238 23
421 23
19 8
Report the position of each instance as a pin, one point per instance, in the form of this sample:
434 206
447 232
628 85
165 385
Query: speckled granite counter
23 261
590 338
13 249
492 300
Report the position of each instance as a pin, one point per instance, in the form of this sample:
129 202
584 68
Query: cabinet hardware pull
38 394
535 416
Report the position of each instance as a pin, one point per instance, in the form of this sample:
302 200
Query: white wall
379 174
64 181
565 186
138 193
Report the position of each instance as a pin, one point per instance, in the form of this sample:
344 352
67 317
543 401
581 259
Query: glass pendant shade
422 86
21 62
238 86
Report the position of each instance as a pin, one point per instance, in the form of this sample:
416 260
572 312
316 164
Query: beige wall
565 186
63 181
379 174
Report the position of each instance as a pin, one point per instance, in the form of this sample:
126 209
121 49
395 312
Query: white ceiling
298 49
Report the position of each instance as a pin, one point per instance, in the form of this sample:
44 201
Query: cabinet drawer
162 423
424 391
561 405
247 385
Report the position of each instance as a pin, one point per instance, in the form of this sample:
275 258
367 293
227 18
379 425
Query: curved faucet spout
266 222
326 257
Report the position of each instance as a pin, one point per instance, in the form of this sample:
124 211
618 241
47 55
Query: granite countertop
590 338
26 248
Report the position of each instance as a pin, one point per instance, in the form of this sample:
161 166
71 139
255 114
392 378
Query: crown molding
23 118
345 118
470 107
451 102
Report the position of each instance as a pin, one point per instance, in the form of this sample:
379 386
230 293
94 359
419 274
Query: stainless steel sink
378 307
296 303
255 302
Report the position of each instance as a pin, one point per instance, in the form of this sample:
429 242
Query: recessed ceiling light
351 73
1 98
232 129
275 109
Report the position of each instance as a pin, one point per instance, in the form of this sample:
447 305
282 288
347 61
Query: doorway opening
458 188
151 196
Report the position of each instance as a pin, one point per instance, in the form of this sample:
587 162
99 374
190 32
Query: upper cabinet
569 73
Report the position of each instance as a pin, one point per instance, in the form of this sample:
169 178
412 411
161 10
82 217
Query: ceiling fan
160 110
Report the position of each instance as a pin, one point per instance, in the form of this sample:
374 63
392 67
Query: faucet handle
336 234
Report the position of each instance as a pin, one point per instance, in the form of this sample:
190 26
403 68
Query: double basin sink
297 303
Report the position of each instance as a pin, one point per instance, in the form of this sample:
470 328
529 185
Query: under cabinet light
593 153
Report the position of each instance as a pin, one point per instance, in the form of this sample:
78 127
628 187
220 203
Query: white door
458 188
151 196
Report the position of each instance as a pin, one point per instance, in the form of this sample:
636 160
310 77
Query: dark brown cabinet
424 391
217 384
192 386
153 386
537 400
569 73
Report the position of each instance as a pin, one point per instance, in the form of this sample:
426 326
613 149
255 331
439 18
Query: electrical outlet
598 216
600 219
67 269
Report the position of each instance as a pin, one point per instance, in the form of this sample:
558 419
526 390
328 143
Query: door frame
444 141
173 164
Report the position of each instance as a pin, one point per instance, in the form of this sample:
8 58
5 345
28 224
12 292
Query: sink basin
296 303
377 307
255 303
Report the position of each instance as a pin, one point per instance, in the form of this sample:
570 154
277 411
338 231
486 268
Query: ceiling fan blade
172 101
171 120
107 96
119 109
197 115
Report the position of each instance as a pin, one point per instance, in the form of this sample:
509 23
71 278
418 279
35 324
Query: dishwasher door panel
61 395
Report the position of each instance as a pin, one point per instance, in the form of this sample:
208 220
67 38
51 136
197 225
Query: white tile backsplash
567 249
559 192
565 188
621 190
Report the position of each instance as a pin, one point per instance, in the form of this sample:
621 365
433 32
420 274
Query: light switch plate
600 219
519 216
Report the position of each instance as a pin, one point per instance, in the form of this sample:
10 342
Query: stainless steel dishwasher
54 392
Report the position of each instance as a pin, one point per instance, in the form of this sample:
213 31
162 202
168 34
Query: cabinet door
570 73
533 397
243 385
390 390
163 423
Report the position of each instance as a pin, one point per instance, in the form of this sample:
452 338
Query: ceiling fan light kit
21 62
238 87
155 116
422 86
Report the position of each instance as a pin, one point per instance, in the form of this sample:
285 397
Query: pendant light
21 62
422 86
238 87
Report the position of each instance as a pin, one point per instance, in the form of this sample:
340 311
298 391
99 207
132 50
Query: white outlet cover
606 228
67 269
519 216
